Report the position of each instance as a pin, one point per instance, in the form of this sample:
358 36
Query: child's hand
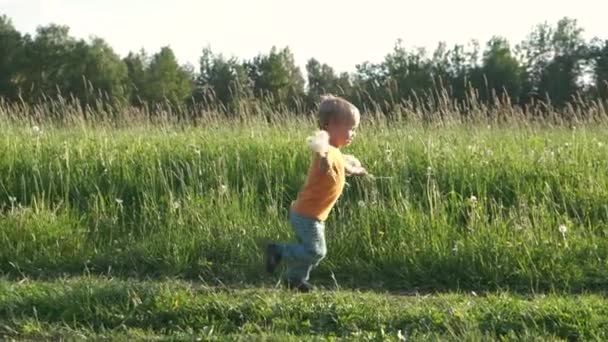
353 166
356 170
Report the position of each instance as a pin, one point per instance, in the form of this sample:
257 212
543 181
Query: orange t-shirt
322 189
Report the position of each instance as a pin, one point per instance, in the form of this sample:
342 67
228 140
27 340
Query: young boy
324 185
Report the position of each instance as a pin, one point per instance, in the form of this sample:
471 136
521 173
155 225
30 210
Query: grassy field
105 308
508 211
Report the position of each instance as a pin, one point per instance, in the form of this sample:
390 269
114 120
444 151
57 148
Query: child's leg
303 256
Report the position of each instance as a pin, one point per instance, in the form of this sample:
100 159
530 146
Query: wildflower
563 229
36 130
12 199
319 143
361 204
473 199
119 201
223 189
175 205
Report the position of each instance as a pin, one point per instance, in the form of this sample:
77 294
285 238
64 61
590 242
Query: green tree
221 79
369 87
166 80
553 60
322 79
501 71
11 53
47 62
276 75
408 72
600 68
136 64
96 72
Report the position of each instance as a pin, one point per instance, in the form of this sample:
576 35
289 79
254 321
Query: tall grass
136 310
474 204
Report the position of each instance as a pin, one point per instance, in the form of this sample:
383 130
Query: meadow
154 228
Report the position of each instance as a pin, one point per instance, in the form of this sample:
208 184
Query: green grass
102 308
198 203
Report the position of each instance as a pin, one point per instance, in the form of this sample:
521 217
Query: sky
340 33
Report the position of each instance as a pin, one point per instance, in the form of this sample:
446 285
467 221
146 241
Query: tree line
554 65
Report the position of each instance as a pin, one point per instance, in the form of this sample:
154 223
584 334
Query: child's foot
273 257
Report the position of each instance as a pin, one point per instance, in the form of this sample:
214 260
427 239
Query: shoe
273 257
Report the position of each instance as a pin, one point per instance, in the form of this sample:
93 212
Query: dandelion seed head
223 189
563 229
319 143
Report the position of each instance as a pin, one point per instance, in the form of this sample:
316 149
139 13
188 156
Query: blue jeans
310 249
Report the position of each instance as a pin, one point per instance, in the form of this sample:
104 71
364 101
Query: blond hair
333 108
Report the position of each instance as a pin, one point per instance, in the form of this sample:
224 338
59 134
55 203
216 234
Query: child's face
342 132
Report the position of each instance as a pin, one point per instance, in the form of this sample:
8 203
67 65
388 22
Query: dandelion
319 143
175 205
562 230
473 199
223 189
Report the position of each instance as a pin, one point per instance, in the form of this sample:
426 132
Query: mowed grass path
465 208
141 310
